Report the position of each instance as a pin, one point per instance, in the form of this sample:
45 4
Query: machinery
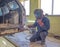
12 16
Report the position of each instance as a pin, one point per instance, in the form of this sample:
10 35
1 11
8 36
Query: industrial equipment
12 16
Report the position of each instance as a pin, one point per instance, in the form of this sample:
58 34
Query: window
5 10
46 6
26 5
13 5
51 7
56 7
1 12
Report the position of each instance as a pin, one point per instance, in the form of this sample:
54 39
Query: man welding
42 23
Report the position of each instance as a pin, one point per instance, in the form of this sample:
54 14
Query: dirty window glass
51 7
26 4
56 8
5 10
13 5
0 12
46 5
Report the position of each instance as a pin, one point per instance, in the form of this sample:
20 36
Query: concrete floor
50 41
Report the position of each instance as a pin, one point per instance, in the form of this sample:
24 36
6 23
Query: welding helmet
38 13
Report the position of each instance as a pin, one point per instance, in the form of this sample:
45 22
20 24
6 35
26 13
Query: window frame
52 13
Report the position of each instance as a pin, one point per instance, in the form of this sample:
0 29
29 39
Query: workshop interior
17 15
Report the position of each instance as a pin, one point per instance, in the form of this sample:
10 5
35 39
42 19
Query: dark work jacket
46 26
